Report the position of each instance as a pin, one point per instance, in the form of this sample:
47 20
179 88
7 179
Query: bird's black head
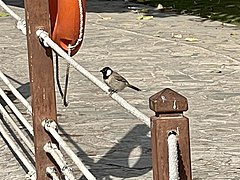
107 71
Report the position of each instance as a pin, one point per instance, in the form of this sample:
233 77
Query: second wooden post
168 106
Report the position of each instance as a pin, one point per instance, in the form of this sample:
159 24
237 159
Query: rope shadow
18 142
115 163
24 89
17 3
84 156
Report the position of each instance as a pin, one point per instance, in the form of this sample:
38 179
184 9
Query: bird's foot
111 91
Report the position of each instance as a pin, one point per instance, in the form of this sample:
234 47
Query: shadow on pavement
117 161
225 11
107 6
24 89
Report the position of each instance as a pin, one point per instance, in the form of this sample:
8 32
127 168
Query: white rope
173 157
50 126
52 172
45 38
21 135
16 111
80 38
31 170
16 93
58 157
21 25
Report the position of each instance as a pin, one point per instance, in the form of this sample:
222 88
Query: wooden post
41 80
168 106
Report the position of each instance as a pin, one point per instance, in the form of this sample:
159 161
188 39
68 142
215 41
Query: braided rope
50 126
80 38
173 156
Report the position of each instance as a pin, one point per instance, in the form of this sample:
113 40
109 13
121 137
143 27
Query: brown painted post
168 106
41 80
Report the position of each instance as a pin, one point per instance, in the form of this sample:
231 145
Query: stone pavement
193 56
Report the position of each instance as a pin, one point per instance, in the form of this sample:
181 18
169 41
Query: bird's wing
118 77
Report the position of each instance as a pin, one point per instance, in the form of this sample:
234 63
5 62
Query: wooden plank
41 80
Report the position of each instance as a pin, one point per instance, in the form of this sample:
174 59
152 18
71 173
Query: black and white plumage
115 81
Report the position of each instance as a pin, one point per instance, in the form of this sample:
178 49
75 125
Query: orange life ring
68 23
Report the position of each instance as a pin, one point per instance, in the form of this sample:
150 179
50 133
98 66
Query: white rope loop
173 156
21 25
50 126
51 171
80 38
52 149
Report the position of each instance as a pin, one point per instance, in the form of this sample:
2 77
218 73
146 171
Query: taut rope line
47 40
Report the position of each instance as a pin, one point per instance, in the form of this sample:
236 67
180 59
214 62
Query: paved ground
151 54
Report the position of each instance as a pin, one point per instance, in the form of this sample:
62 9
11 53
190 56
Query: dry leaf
104 18
191 39
233 34
160 7
179 36
2 14
141 17
143 10
140 10
141 1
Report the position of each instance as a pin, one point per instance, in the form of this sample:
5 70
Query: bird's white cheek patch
109 72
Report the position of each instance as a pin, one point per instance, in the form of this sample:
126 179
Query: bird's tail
133 87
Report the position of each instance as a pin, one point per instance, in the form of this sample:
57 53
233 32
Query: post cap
168 101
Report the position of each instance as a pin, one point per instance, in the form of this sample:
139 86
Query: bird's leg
111 91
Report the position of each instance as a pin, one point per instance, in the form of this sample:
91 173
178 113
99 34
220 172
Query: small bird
115 81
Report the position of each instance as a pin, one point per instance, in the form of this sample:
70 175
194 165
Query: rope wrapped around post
50 126
52 149
168 106
51 171
21 24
